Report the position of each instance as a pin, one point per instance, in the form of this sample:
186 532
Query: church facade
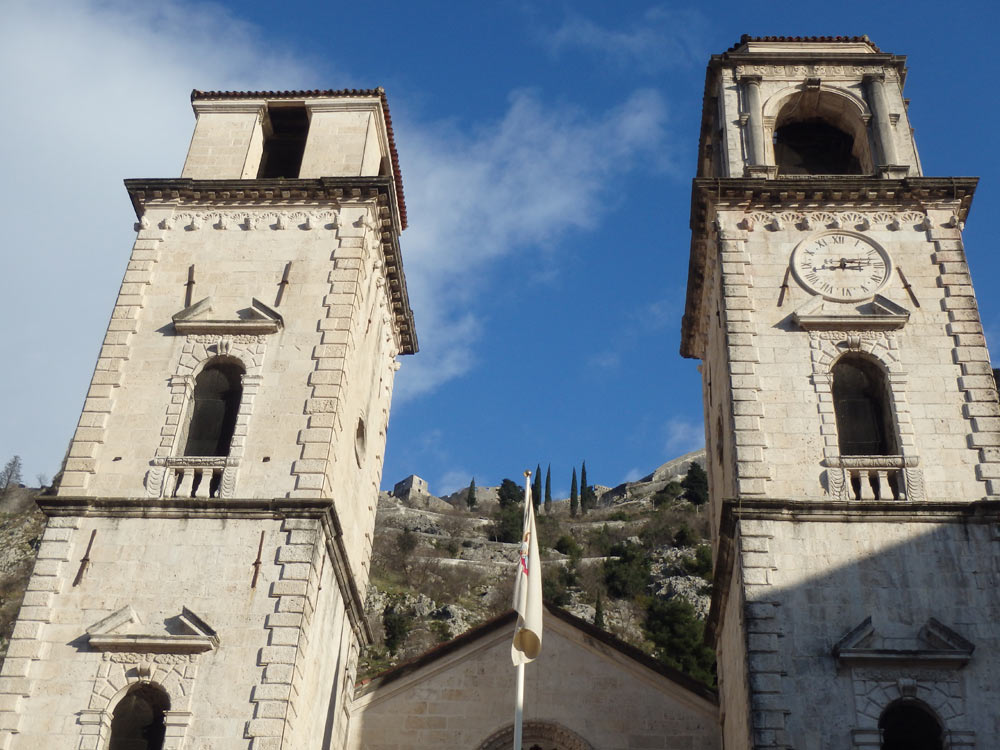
199 584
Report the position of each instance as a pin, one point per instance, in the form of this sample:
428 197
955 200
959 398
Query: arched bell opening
817 132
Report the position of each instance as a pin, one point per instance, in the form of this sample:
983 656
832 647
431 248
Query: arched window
216 403
137 722
820 133
861 405
907 725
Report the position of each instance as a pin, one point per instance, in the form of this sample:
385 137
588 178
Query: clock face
841 266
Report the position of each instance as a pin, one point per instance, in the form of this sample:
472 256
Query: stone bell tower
850 414
199 581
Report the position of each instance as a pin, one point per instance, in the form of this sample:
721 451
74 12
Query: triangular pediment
202 317
934 645
878 313
116 632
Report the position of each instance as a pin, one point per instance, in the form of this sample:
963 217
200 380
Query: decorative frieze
826 72
858 220
248 221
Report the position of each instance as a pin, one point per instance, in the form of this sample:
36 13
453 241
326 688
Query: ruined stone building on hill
199 582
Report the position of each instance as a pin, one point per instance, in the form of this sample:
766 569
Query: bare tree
11 475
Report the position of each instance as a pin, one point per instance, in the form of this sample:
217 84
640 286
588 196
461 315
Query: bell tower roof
817 45
198 96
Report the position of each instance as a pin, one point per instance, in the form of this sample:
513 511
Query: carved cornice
229 202
153 644
796 64
858 193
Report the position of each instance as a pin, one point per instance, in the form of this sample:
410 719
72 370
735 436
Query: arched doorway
909 725
543 735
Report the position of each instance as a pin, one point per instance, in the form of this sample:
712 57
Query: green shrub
510 493
678 638
658 529
549 531
567 545
601 541
406 542
685 537
397 626
695 485
556 580
701 563
668 494
507 524
626 575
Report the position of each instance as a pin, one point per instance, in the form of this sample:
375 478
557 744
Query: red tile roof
326 93
748 38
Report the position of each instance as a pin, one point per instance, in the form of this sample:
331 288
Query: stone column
880 109
755 124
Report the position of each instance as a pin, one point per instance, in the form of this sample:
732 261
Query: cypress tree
584 499
470 499
695 484
599 613
548 490
536 487
573 503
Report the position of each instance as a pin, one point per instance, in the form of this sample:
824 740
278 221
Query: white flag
528 590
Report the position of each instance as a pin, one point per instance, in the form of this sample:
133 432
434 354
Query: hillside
21 525
636 564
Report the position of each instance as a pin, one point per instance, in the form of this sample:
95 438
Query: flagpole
519 700
519 707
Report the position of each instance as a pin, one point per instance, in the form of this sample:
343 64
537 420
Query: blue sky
546 150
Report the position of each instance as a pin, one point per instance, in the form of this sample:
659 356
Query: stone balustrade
874 478
192 476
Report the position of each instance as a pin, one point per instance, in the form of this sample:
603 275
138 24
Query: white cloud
683 436
98 92
95 92
518 185
660 38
